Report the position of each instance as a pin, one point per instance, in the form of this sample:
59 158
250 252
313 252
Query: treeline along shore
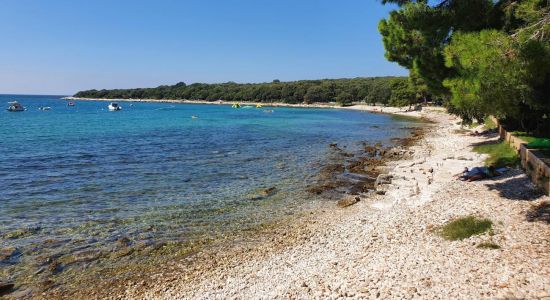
381 90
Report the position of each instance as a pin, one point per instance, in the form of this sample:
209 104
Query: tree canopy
344 91
482 56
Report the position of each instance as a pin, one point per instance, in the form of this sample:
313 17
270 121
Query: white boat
15 106
44 108
114 106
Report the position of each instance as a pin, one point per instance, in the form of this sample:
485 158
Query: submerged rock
122 253
7 253
331 170
280 165
19 233
355 177
362 166
6 288
53 243
260 194
46 284
82 257
123 242
269 191
332 185
320 188
360 188
348 201
55 267
371 151
339 151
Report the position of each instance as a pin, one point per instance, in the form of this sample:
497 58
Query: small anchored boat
70 104
44 108
114 106
15 107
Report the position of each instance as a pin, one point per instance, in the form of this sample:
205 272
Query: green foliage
415 35
533 142
344 98
345 91
487 57
500 76
464 228
536 143
487 80
402 93
500 154
489 123
413 39
379 93
314 94
419 86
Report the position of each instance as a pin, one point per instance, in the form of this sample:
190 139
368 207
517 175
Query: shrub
465 227
500 154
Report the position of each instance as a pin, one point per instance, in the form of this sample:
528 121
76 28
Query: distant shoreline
333 105
217 102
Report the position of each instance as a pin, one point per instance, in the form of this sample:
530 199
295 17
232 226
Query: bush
489 124
500 154
464 228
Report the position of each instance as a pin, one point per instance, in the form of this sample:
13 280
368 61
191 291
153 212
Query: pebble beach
384 246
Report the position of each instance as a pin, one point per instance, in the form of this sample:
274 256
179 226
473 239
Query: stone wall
532 160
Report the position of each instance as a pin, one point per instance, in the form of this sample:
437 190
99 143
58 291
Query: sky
63 46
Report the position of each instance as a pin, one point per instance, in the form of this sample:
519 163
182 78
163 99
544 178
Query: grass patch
489 124
472 125
464 228
488 245
500 154
528 138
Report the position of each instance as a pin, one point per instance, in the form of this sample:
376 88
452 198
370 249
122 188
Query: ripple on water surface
82 185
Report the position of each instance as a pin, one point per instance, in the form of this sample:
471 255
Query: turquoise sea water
80 178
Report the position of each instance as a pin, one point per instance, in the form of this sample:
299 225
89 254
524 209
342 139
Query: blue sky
62 46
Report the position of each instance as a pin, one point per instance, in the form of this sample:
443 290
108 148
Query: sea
77 182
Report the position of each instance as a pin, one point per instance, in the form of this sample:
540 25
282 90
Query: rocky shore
379 237
383 246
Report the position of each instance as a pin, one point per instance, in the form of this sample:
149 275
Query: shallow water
80 178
